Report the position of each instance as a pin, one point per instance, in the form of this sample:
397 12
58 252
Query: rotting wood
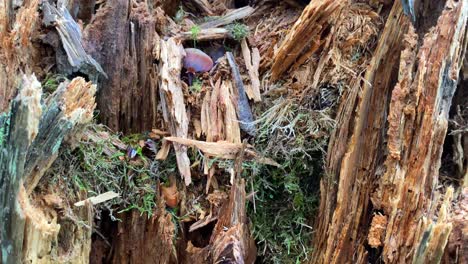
206 34
252 63
419 113
22 129
306 34
457 247
39 132
350 168
231 241
18 30
204 6
172 101
408 178
143 239
71 104
70 35
228 18
122 37
244 113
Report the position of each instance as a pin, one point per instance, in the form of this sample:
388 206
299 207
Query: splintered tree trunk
380 197
31 137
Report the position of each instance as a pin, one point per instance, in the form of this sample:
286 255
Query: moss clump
238 31
196 86
51 83
91 169
287 197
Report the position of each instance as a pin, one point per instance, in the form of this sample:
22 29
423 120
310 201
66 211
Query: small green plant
194 31
196 86
51 83
238 31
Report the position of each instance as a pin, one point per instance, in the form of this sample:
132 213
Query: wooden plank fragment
98 199
172 101
231 124
206 34
230 17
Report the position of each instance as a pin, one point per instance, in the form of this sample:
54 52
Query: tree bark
392 187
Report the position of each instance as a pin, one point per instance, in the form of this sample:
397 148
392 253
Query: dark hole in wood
201 237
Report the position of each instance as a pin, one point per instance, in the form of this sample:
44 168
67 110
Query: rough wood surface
33 136
351 164
231 241
18 30
230 17
305 36
70 35
172 101
122 37
21 130
418 120
407 176
252 63
71 104
141 240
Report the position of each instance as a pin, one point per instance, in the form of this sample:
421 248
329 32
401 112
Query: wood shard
206 34
70 34
231 240
221 149
244 113
252 63
99 199
230 17
172 101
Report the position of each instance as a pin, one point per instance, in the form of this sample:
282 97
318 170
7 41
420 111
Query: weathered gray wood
72 104
22 129
244 113
230 17
33 135
70 35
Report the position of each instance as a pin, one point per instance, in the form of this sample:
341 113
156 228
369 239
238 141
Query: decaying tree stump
122 38
31 137
384 196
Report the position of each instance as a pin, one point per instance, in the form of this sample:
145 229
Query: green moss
238 31
88 168
196 86
287 197
51 83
